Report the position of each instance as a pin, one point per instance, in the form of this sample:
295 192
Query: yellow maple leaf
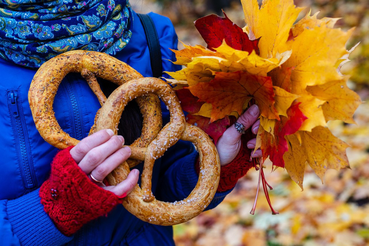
314 57
295 160
325 151
205 110
318 148
312 109
340 101
310 22
238 60
186 55
267 125
271 23
283 100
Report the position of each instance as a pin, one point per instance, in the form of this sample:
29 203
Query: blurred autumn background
333 213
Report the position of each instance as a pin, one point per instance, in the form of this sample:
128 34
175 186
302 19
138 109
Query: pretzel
90 64
141 202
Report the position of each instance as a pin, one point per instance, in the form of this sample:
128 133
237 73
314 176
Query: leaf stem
257 191
259 166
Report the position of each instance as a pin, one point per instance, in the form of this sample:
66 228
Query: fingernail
255 129
123 195
254 110
121 138
135 171
250 146
110 132
256 154
126 149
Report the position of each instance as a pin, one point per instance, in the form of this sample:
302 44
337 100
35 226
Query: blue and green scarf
33 31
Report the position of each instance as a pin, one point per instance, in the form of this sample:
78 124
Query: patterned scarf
33 31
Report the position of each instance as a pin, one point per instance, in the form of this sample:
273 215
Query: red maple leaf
190 103
215 129
276 146
214 29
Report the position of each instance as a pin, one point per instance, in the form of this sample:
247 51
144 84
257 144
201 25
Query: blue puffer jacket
26 157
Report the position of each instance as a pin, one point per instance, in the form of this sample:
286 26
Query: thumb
229 143
246 120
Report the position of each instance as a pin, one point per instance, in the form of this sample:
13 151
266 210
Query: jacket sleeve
24 222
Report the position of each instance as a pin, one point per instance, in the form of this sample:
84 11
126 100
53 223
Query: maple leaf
281 77
189 102
312 109
310 22
213 129
321 44
283 100
186 55
236 60
271 23
229 92
340 101
214 30
289 68
318 148
275 145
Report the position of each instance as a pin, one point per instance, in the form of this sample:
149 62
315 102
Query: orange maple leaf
229 92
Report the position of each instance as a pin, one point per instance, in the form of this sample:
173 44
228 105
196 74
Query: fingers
105 152
90 142
257 153
229 143
255 127
251 145
110 163
126 186
249 117
99 154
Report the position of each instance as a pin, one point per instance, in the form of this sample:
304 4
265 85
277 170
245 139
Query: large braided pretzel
140 201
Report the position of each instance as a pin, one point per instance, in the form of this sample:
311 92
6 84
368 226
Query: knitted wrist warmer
236 169
70 198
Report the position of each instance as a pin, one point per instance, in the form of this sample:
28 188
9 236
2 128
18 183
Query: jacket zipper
76 119
24 157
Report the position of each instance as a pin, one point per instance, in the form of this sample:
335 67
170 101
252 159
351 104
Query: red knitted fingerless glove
70 198
233 171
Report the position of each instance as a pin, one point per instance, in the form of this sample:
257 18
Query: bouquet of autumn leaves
289 69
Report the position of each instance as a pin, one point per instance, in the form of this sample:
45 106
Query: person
52 197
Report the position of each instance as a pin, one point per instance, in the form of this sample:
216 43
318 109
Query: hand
99 154
229 144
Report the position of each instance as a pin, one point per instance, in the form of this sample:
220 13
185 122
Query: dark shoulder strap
153 43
